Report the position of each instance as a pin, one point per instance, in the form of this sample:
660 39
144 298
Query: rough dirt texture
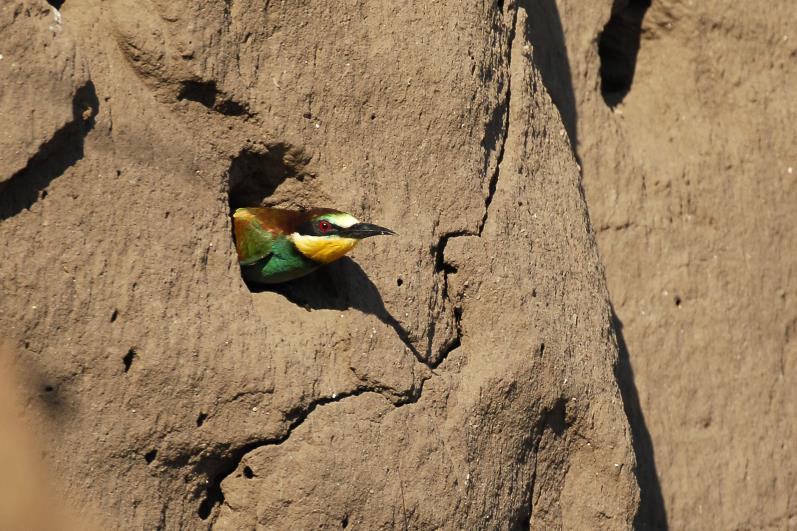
691 183
461 375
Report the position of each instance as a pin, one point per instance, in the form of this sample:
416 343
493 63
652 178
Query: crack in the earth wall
504 114
441 266
218 467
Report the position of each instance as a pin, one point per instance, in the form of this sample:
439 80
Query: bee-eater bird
277 245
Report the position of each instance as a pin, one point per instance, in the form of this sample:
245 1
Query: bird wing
253 236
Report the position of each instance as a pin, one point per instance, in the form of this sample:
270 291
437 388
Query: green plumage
254 242
283 263
265 253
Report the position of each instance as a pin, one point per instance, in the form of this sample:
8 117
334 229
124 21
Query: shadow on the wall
62 151
341 285
652 513
549 53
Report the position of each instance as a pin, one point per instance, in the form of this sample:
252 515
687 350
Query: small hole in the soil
542 349
533 292
248 474
114 315
200 420
202 92
677 300
373 116
618 46
557 417
43 194
118 173
128 359
150 456
49 389
56 3
231 108
399 282
345 522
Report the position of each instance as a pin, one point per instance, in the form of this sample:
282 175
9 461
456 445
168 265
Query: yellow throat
324 249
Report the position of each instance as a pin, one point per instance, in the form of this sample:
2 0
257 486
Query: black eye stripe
312 228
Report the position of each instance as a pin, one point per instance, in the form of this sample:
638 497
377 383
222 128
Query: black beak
364 230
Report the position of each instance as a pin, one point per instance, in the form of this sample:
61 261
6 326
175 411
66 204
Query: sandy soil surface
459 376
587 321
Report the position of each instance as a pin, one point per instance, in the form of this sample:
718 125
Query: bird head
327 235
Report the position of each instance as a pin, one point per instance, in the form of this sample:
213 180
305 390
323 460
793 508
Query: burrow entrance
618 47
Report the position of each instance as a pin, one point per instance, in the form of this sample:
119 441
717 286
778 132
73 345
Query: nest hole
618 47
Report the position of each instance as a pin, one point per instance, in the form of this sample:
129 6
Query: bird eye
324 225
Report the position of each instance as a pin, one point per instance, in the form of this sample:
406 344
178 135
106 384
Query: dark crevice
556 417
522 518
495 137
439 250
128 359
443 269
208 95
150 456
497 134
618 46
494 178
56 3
203 93
555 420
455 342
53 158
200 420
